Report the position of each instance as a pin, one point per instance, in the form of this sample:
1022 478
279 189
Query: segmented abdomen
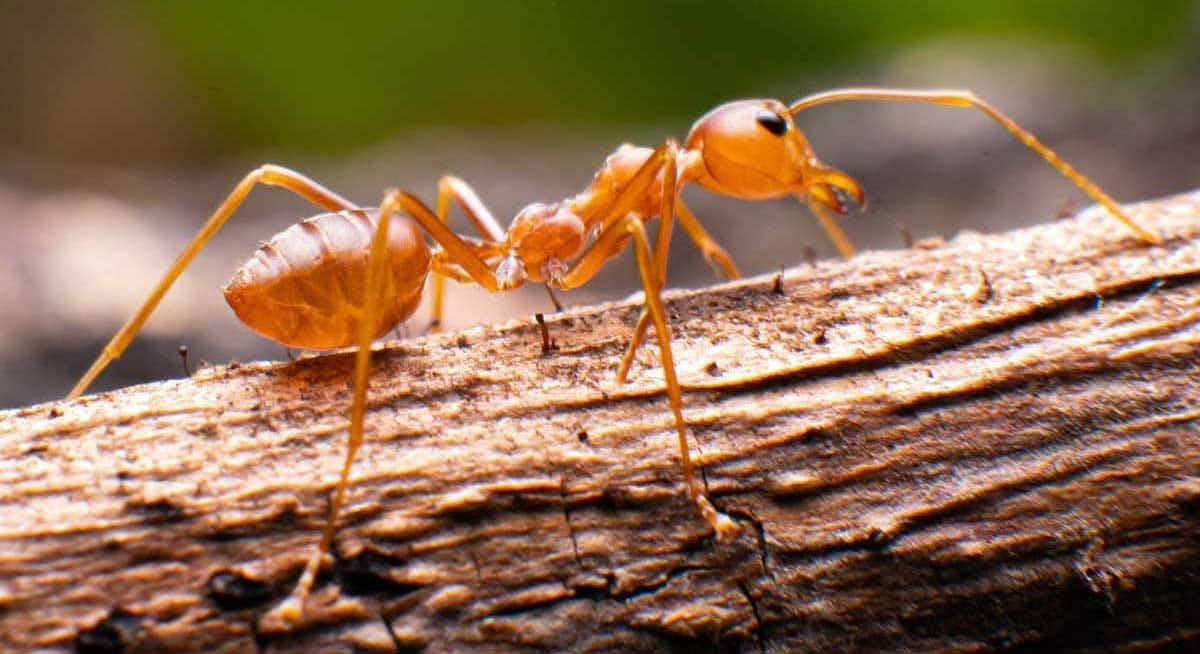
304 287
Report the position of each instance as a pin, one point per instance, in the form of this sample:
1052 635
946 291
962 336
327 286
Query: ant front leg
708 246
669 207
967 99
714 254
630 228
269 174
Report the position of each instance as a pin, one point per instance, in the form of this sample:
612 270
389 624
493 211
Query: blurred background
123 124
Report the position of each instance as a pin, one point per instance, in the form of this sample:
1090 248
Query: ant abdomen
305 286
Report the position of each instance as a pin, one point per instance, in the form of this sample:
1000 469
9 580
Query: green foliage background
330 76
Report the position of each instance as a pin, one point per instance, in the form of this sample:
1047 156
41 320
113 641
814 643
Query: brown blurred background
123 124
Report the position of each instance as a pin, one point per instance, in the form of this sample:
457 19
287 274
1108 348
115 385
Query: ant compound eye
773 122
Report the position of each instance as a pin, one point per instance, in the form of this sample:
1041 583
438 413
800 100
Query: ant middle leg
268 174
558 305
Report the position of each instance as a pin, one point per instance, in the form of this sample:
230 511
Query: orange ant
347 277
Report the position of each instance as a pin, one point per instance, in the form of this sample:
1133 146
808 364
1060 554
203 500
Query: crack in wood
757 631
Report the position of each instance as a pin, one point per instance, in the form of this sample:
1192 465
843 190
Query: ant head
751 150
541 238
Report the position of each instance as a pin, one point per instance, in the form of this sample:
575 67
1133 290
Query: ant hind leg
468 201
269 174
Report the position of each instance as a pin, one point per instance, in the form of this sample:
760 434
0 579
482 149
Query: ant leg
269 174
714 254
292 609
967 99
828 189
649 266
451 187
457 258
631 227
639 335
662 244
558 305
454 188
840 239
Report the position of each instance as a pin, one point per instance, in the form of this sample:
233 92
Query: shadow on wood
987 444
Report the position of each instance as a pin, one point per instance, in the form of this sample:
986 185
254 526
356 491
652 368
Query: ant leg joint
724 527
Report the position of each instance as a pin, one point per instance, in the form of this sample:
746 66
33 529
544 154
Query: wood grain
981 445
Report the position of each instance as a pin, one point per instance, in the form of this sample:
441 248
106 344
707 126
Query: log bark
981 445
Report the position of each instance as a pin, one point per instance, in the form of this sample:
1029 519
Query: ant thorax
541 239
614 175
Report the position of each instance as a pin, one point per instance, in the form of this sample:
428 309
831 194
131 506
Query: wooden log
986 444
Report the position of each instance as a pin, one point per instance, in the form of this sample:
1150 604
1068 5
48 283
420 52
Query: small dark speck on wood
947 448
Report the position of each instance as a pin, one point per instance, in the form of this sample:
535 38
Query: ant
346 277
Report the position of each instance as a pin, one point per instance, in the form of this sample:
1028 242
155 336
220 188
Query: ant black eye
773 122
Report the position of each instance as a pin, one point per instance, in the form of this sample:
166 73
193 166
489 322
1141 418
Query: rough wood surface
989 444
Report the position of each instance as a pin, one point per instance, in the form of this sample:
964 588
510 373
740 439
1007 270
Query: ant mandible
347 277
